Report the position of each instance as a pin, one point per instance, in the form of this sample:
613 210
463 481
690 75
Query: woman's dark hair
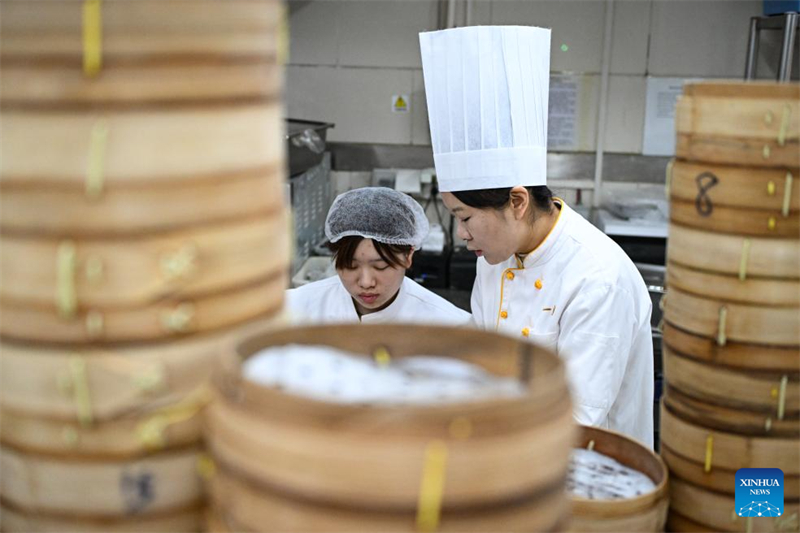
541 196
345 249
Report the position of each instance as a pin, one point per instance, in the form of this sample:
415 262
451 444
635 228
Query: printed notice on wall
659 115
562 117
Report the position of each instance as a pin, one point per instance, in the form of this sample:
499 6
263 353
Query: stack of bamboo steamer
285 462
732 311
143 226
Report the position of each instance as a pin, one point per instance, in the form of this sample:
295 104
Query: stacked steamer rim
616 484
142 224
286 461
732 311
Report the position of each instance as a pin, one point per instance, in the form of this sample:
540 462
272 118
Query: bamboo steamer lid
734 354
736 220
731 419
249 506
716 511
750 123
145 31
169 318
44 381
149 484
214 141
17 520
710 453
370 456
734 254
126 211
647 512
723 320
761 291
713 185
68 274
772 393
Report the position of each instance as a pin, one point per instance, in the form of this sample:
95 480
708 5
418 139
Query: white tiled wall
383 33
700 38
357 100
348 58
625 115
575 23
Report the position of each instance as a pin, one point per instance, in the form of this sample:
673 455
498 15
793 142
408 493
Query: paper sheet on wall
659 115
562 116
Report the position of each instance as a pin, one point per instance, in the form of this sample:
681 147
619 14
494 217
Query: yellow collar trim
521 264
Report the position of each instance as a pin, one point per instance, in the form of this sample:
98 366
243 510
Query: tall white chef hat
487 91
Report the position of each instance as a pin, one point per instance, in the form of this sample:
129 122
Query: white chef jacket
579 294
327 301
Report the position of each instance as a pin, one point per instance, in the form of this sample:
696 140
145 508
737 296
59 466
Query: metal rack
788 23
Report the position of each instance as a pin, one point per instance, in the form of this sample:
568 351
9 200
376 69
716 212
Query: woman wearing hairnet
544 272
373 233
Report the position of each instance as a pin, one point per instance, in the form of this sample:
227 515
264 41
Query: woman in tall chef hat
543 273
373 232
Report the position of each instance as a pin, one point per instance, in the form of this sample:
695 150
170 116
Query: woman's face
491 233
372 282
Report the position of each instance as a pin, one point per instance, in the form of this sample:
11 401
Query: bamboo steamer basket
716 511
734 354
743 123
27 86
145 31
724 320
731 419
736 220
679 523
647 512
772 292
41 210
370 457
252 507
722 254
752 188
728 453
748 390
149 484
216 523
214 140
44 381
116 402
139 272
17 520
123 438
718 480
169 318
